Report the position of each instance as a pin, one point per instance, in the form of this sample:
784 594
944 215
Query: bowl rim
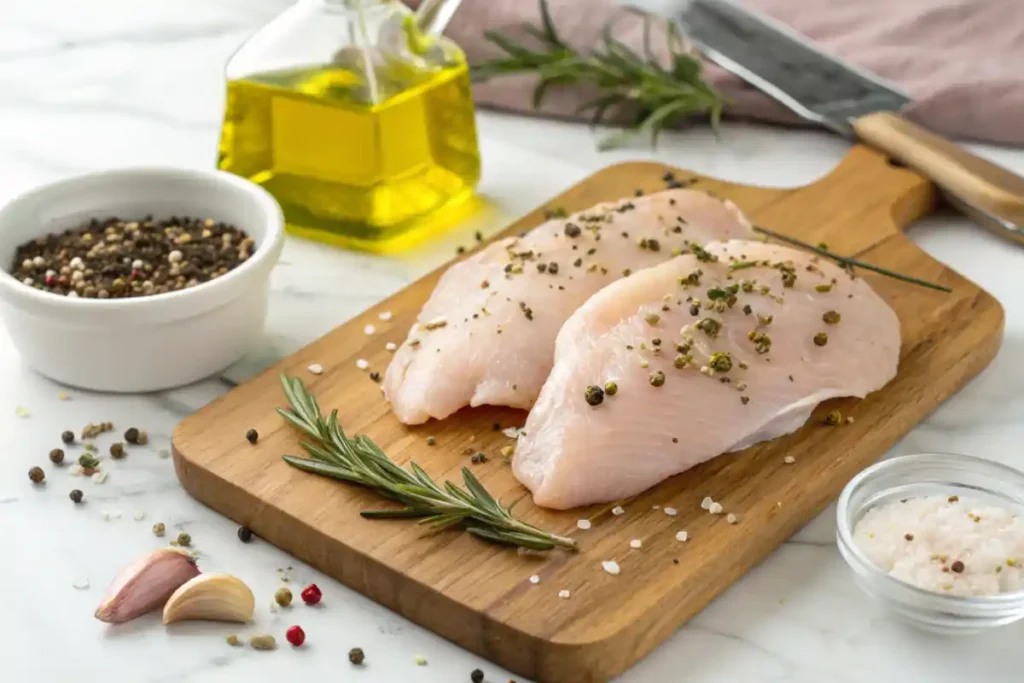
852 551
268 247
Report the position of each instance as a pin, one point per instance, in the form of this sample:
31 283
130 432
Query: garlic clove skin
146 584
211 597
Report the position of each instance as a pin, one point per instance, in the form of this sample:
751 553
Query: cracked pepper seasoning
820 339
594 395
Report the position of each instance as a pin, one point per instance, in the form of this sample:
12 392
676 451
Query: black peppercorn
76 496
57 456
131 435
117 450
477 676
356 656
594 395
958 567
244 534
252 436
67 436
37 475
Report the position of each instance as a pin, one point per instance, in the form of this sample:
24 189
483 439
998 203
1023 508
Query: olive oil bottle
365 137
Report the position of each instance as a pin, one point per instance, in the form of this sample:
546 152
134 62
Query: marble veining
117 82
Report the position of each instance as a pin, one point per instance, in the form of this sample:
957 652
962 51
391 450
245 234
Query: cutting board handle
982 185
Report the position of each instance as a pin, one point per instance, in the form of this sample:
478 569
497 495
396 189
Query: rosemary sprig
627 82
851 262
360 461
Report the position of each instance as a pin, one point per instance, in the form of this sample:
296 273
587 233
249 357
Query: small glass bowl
913 476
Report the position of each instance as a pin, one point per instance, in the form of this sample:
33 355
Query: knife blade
825 90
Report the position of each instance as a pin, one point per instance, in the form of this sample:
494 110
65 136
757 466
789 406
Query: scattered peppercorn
594 395
909 537
244 534
958 567
820 339
953 499
657 378
57 456
159 529
76 496
478 458
252 436
131 435
375 376
37 475
184 540
460 250
233 640
652 318
283 596
611 388
311 594
572 230
356 656
117 450
834 418
295 635
830 317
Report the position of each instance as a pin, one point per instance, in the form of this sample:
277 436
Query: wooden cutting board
479 595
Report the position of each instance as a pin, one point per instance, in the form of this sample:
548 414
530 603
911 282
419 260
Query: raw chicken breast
710 352
487 333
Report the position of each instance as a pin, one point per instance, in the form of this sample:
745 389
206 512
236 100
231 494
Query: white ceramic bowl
145 343
929 474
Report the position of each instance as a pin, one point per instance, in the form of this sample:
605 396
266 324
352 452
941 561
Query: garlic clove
146 584
212 597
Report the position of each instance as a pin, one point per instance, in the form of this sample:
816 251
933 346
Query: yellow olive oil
375 165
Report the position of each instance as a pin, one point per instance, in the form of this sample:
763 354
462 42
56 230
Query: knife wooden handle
989 187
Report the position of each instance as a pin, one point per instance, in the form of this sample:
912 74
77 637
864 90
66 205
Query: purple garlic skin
146 584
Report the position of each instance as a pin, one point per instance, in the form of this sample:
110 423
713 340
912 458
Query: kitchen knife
852 102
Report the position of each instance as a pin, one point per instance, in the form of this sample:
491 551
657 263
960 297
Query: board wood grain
478 595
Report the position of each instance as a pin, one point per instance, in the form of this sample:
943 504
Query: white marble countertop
87 85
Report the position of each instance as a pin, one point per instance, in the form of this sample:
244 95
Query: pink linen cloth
961 60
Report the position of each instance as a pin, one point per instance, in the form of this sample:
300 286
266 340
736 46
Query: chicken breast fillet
709 353
487 333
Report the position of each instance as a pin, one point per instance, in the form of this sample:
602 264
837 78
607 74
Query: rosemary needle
847 261
358 460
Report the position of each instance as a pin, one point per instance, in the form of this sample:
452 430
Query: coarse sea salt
611 566
316 369
682 536
671 512
362 363
369 330
636 543
564 594
618 510
534 579
391 346
706 503
946 544
583 524
385 315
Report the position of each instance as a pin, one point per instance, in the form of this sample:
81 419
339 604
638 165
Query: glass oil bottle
360 126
